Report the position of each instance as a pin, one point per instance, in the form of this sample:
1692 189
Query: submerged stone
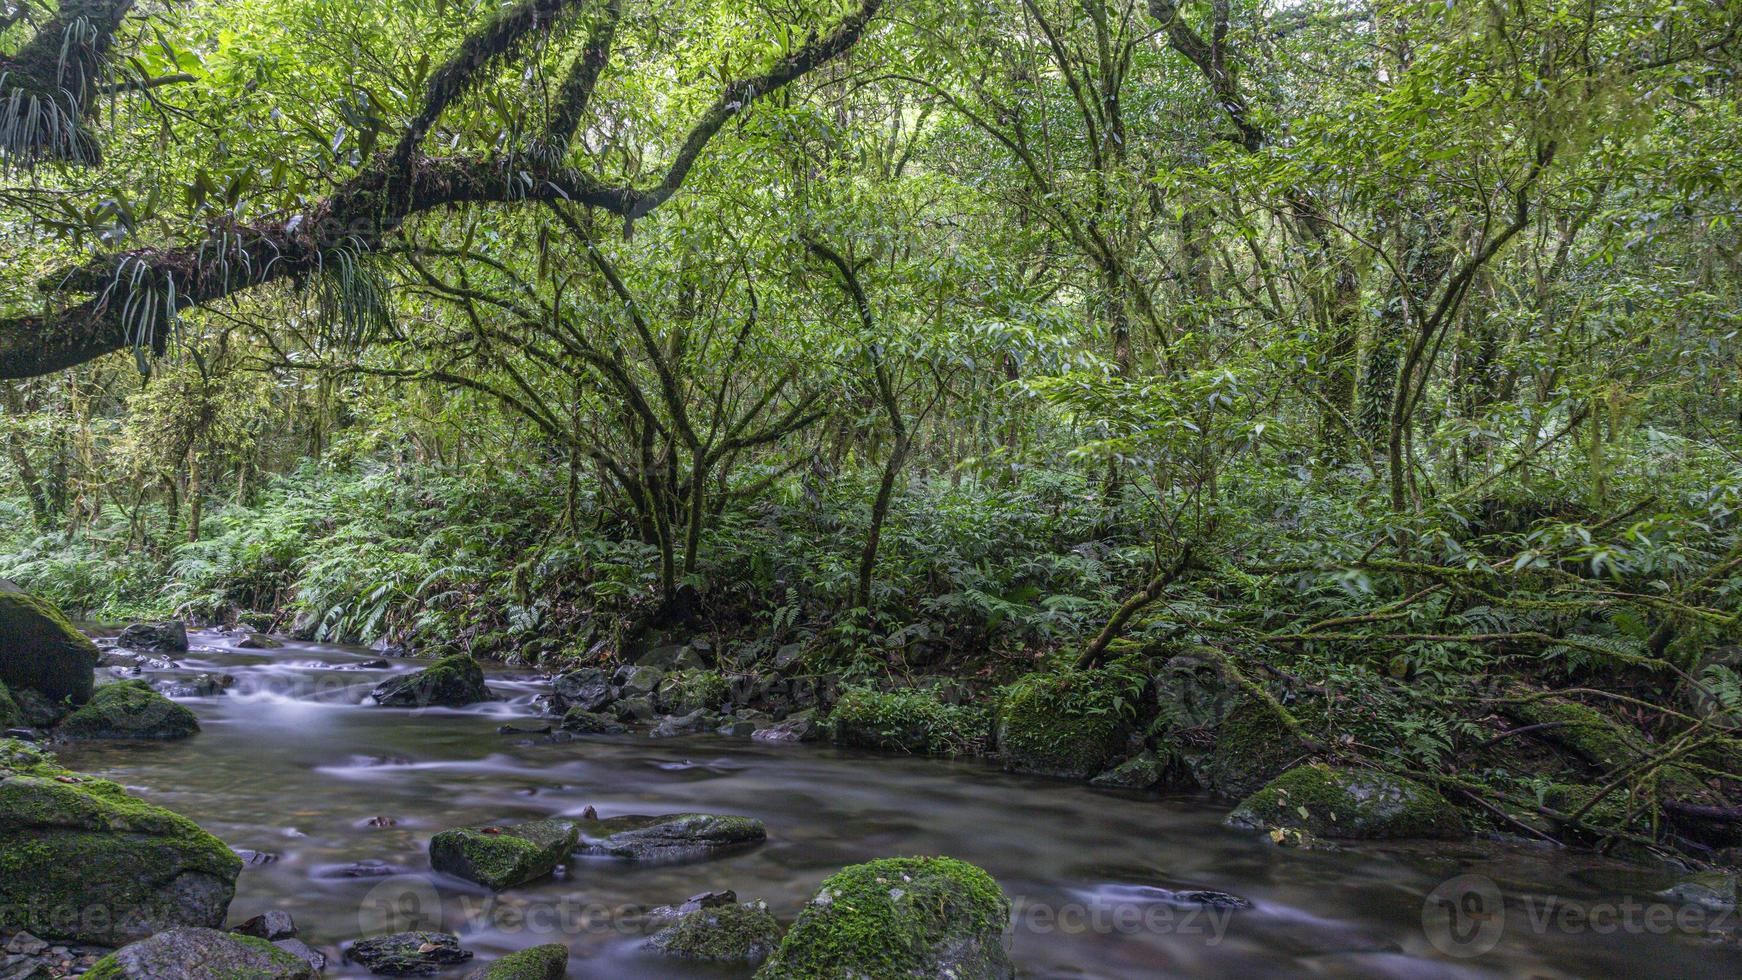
1349 803
42 652
899 917
129 709
671 837
503 857
583 722
82 860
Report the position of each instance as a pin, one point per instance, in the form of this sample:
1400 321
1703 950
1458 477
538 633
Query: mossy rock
721 934
671 837
907 720
1145 770
547 962
1252 746
11 715
201 954
899 917
688 691
129 709
453 681
1596 739
42 651
81 860
1069 725
1358 804
502 857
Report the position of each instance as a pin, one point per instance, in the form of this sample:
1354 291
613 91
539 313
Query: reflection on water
333 803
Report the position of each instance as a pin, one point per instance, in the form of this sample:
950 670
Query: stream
332 801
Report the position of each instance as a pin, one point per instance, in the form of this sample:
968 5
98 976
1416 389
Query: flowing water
333 801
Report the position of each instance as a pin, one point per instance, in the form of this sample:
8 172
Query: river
333 801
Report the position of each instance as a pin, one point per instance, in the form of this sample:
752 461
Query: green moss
907 720
685 691
502 857
1595 738
1610 813
1069 724
218 955
130 709
10 714
1252 746
454 680
42 650
898 917
80 859
1350 803
722 934
548 962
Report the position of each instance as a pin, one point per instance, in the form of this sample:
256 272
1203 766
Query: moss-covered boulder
129 709
1350 803
721 934
201 954
41 651
671 837
11 715
83 861
1594 738
687 691
453 681
1069 724
907 720
502 857
899 917
548 962
1251 747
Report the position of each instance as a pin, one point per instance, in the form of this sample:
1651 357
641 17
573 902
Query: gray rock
587 689
638 681
276 924
636 709
258 641
674 725
1141 771
166 637
801 727
191 953
408 954
296 947
671 837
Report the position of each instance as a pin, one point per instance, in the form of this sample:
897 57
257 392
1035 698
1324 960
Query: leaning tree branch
130 299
